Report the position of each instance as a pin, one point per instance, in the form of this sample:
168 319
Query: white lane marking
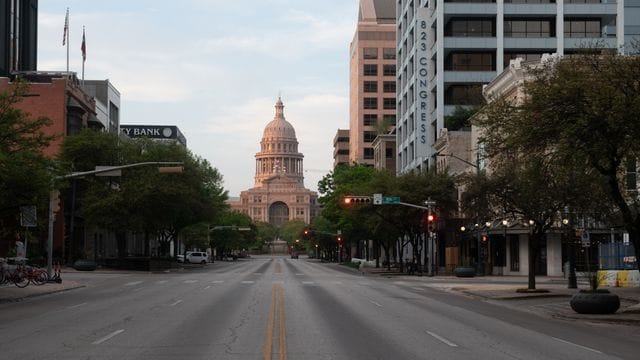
248 282
97 342
161 281
138 289
580 346
207 287
417 288
76 306
176 303
190 281
299 274
308 282
133 283
338 282
217 281
375 303
442 339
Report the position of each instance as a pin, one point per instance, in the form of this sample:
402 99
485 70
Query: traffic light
431 221
357 200
339 239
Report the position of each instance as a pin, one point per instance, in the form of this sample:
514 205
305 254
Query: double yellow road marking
277 308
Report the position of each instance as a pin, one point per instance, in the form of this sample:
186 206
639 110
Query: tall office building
372 89
107 103
447 50
18 35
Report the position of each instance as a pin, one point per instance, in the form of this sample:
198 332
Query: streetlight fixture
572 281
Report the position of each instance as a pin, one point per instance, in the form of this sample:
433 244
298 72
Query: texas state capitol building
279 194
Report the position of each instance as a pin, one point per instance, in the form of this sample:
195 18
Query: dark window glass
368 153
369 136
470 62
370 53
470 28
632 181
389 53
370 119
389 103
581 28
390 119
389 153
343 152
525 56
370 103
526 28
370 86
389 86
464 95
370 70
389 70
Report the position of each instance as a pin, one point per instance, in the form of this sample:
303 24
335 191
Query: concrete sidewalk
12 293
552 301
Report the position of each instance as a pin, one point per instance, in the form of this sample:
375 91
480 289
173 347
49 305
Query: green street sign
391 200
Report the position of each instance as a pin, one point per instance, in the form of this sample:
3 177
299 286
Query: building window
370 53
464 95
370 70
257 199
370 119
514 252
343 152
632 175
470 28
370 86
370 103
533 1
527 28
389 103
368 153
390 119
389 86
389 53
525 56
369 136
389 70
389 153
470 62
582 28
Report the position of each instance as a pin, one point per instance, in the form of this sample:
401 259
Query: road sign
377 199
391 200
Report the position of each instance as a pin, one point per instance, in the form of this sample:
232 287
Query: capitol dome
279 128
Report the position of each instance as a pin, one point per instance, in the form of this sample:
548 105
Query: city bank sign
153 132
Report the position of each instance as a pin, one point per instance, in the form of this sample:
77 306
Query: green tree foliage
459 119
143 200
563 146
226 239
25 173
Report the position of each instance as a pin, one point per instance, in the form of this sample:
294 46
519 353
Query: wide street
281 308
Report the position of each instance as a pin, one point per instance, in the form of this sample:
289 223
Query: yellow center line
268 344
283 343
276 300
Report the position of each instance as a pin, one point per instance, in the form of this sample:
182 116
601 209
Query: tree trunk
533 249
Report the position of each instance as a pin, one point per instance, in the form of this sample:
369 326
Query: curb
32 295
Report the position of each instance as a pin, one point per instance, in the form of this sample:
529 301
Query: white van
197 257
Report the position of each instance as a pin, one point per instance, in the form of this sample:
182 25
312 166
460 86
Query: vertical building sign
422 81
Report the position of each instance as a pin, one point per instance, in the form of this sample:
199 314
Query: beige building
279 194
341 147
372 80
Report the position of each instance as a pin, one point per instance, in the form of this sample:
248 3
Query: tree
563 143
25 173
459 119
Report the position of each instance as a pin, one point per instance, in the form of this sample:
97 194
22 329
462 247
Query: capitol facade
279 194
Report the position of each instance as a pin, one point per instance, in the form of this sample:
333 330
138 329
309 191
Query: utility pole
430 240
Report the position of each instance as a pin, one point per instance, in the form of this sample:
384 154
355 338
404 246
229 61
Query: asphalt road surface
282 308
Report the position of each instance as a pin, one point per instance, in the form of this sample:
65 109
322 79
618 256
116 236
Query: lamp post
572 280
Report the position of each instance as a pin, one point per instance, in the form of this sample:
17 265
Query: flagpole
83 55
66 36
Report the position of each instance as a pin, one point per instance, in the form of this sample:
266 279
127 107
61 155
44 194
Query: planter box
85 265
465 271
595 303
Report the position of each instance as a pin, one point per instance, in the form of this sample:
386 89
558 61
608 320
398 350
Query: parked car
197 257
180 258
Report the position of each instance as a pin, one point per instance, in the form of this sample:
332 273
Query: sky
215 69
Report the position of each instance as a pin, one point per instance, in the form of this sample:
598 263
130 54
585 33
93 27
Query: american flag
66 28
